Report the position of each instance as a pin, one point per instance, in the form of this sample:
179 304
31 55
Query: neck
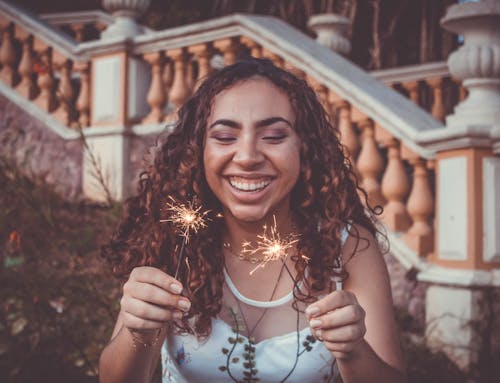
238 232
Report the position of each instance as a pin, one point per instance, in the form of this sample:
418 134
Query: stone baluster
203 54
27 86
156 97
230 49
276 59
370 163
294 70
167 74
395 188
255 49
8 56
190 75
462 92
412 87
83 100
347 133
65 93
179 91
321 92
437 110
78 29
420 206
46 98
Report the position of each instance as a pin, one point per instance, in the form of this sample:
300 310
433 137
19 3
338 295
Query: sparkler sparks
188 218
271 246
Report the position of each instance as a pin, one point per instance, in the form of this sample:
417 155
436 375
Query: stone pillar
464 271
119 85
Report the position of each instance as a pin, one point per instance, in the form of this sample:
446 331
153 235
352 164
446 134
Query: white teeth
249 186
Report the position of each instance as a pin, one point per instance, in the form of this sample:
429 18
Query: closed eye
275 139
224 138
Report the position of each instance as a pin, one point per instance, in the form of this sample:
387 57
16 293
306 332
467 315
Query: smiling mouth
249 185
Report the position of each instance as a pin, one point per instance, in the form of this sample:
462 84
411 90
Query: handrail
77 17
412 72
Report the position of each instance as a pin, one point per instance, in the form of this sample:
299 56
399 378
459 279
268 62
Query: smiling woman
252 154
254 150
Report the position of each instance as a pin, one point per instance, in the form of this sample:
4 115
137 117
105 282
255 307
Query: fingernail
311 310
183 304
315 323
318 334
177 315
176 288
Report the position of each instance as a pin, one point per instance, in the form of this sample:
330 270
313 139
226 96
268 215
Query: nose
248 154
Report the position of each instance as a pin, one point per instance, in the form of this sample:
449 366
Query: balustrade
420 206
202 54
156 97
395 188
65 93
26 86
370 163
83 101
46 99
179 91
8 56
400 183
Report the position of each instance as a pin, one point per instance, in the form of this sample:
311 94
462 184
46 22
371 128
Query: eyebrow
260 124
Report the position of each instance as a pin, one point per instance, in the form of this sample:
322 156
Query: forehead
256 98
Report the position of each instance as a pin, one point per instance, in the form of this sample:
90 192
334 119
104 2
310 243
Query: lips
249 184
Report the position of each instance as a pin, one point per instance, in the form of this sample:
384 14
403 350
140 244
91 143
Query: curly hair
324 201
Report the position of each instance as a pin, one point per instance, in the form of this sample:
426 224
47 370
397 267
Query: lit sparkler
188 218
271 246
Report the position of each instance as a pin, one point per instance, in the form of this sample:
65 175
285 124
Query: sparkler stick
188 218
270 245
337 268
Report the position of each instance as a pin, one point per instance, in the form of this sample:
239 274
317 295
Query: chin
248 215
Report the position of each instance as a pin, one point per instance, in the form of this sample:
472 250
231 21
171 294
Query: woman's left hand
338 320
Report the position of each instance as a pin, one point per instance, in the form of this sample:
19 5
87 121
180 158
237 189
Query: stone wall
408 294
37 150
141 153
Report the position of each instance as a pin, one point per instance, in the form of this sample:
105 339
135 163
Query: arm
149 303
357 325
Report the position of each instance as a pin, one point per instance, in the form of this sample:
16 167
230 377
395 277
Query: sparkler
188 218
270 245
337 268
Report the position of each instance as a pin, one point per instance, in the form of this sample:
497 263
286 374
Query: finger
332 301
148 311
339 350
339 317
349 333
135 323
156 277
154 294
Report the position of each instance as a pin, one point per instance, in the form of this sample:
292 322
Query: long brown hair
324 201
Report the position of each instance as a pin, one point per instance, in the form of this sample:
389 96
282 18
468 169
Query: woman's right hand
151 299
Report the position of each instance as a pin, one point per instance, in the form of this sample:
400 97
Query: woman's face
252 152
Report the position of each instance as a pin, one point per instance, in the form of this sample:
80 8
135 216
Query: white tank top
185 359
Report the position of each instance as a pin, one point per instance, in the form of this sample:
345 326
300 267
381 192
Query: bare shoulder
369 280
361 254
